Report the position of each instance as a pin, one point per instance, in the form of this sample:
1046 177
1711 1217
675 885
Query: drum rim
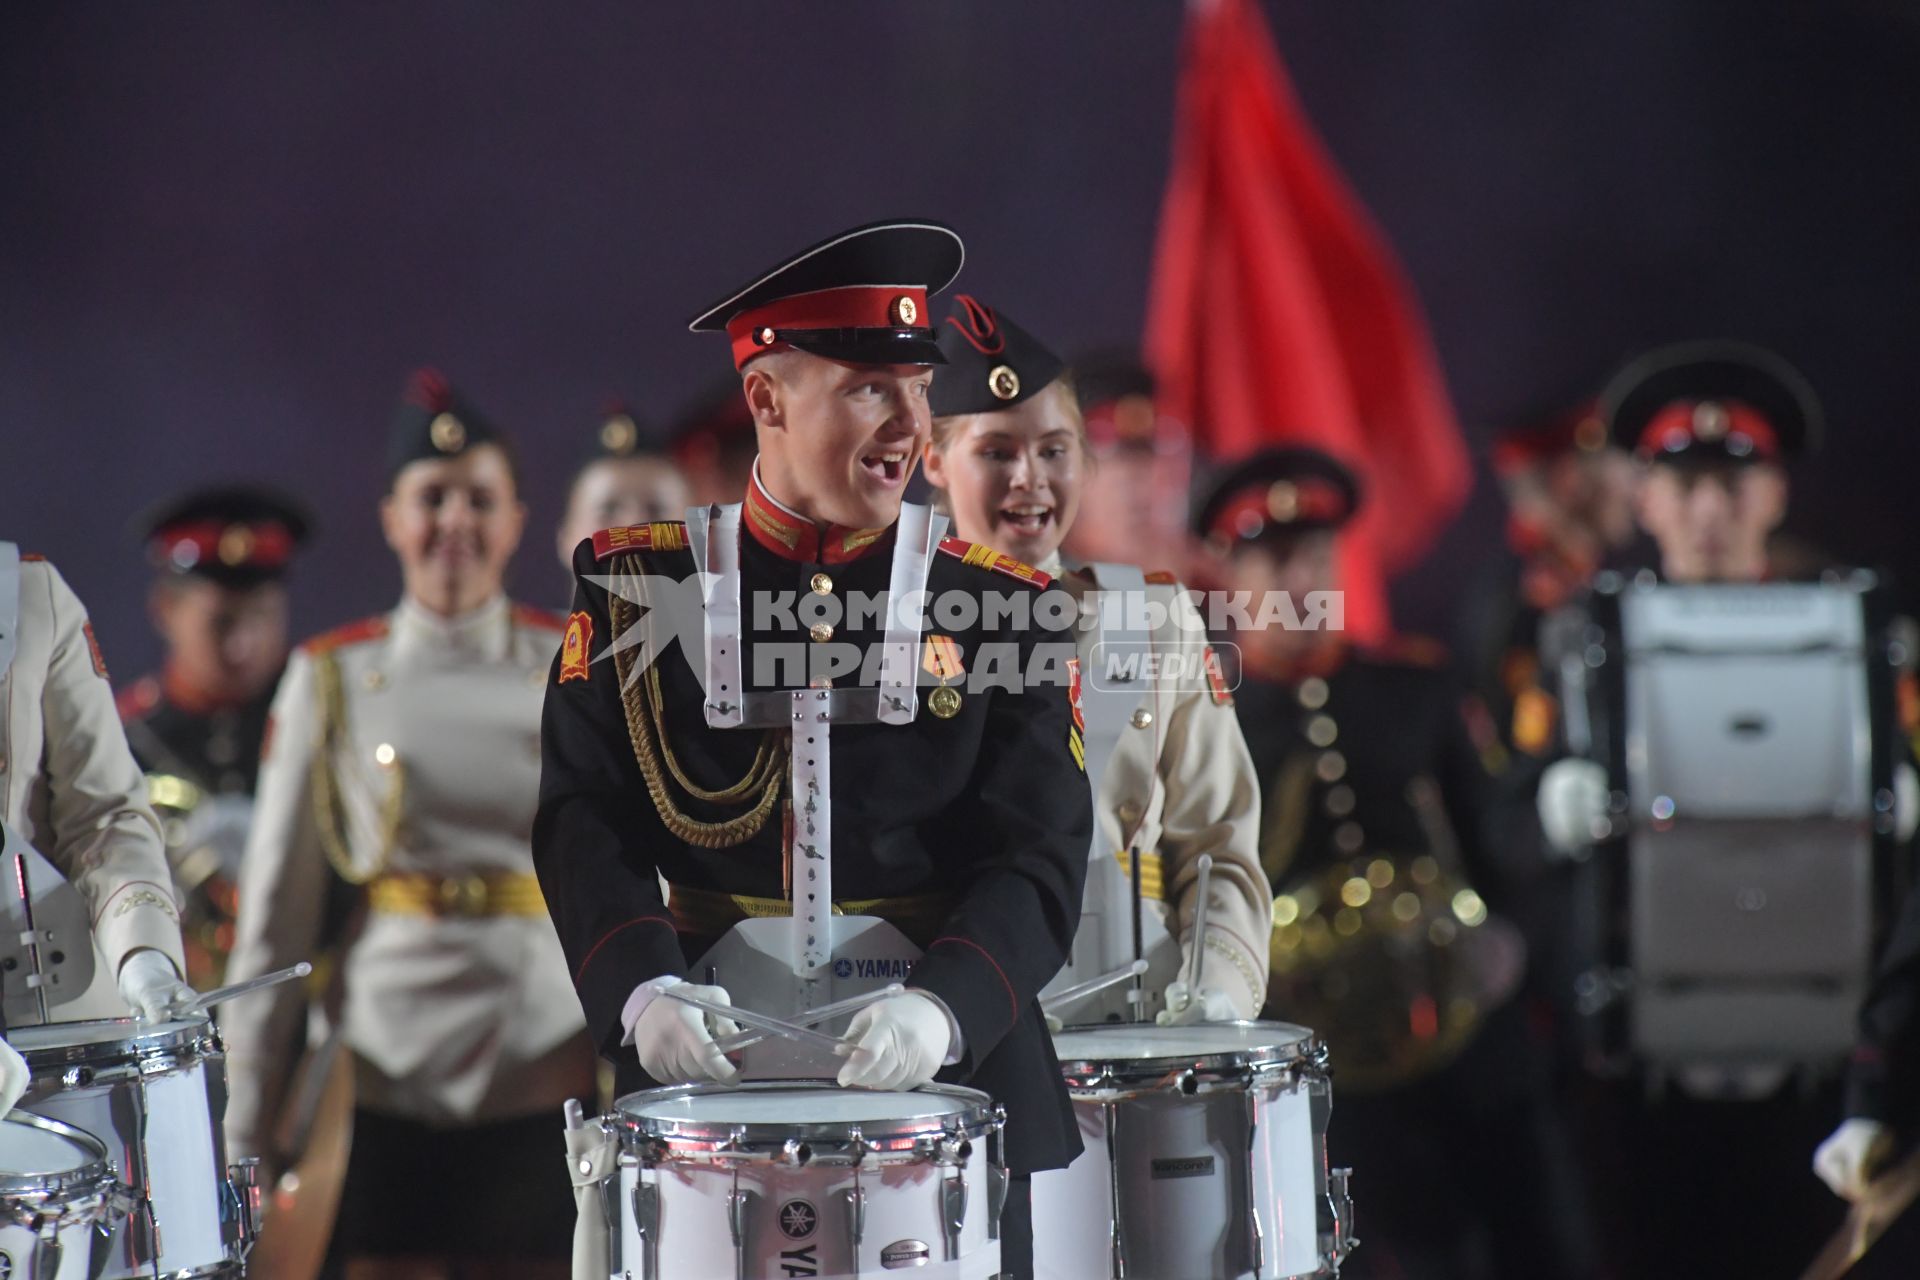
91 1177
196 1037
978 1115
1303 1049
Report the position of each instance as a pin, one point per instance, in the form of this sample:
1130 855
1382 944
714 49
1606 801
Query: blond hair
942 434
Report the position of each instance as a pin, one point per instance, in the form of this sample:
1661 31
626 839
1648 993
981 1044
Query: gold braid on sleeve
329 809
646 726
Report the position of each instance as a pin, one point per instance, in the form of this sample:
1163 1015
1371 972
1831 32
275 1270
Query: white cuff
642 997
956 1046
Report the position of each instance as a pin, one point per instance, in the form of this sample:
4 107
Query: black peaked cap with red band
1711 401
236 535
1278 491
433 420
991 362
860 296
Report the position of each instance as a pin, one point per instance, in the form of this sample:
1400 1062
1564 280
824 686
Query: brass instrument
1393 960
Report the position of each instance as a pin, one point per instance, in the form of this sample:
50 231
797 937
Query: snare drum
58 1200
155 1094
785 1179
1205 1157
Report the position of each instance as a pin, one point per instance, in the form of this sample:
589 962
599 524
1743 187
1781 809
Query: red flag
1277 314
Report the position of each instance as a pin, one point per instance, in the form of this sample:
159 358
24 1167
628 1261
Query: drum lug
856 1223
646 1224
737 1203
996 1199
243 1202
953 1212
1338 1241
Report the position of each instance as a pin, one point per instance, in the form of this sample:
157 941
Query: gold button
1331 766
1142 718
1321 731
1129 814
821 584
384 755
820 632
1312 693
375 681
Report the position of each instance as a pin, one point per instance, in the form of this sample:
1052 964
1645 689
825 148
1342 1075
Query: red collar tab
1730 425
758 330
792 538
1306 502
214 544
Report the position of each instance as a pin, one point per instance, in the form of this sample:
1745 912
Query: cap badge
447 433
1710 420
1283 501
236 544
1003 382
619 434
905 312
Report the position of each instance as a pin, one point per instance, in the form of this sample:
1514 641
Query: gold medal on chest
944 702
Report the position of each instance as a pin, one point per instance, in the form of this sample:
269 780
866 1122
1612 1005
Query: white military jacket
70 787
1175 782
405 751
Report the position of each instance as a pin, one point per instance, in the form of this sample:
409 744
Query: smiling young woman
394 818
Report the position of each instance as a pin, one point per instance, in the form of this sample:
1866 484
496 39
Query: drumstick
220 995
761 1022
811 1017
1067 997
1197 950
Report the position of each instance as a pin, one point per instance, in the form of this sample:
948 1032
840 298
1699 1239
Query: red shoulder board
1164 578
663 535
987 558
352 633
1414 651
527 615
137 698
31 557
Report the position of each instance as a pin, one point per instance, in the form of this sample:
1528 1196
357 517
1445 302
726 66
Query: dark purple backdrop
229 230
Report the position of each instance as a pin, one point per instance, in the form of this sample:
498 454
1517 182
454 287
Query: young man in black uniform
1376 840
968 821
196 726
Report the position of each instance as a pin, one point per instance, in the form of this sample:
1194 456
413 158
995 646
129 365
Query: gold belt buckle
463 895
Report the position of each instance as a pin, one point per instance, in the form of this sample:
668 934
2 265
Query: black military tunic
217 749
986 810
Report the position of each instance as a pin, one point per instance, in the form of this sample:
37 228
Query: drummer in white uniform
1009 454
70 788
403 760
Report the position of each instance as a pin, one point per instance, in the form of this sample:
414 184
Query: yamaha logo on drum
798 1219
887 968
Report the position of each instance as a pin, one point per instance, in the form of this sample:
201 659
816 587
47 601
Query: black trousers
1016 1230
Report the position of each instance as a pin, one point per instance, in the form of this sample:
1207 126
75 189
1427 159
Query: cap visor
874 350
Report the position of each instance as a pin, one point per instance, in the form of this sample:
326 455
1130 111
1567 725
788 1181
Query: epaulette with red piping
527 615
1163 578
987 558
138 698
1410 651
31 557
662 535
352 633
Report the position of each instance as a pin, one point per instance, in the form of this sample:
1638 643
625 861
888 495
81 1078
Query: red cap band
232 543
1715 422
1251 511
878 306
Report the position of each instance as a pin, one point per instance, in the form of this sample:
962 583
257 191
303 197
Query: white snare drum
155 1094
1206 1157
786 1179
59 1198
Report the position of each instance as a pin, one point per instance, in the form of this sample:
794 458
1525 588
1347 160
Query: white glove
151 986
1572 803
14 1077
1847 1159
1183 1010
899 1042
675 1041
